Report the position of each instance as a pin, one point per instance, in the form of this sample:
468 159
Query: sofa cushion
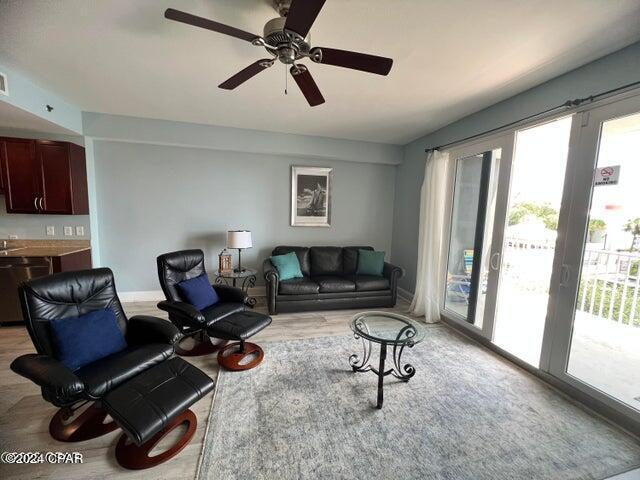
350 259
301 252
288 266
101 376
366 283
326 261
334 284
370 263
223 309
298 286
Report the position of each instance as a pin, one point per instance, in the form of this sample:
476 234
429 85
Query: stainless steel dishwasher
14 271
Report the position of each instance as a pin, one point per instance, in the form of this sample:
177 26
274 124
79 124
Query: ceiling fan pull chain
286 80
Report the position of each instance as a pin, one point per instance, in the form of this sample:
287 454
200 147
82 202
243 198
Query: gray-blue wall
154 198
617 69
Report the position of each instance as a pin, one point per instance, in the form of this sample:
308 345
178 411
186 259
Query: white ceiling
15 118
451 58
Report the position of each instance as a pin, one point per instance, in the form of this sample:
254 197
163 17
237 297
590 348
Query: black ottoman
151 405
239 326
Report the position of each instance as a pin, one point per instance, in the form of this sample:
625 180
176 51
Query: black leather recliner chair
150 341
330 281
175 267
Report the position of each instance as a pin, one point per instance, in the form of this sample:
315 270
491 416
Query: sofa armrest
51 375
272 279
393 273
390 271
230 294
182 313
143 329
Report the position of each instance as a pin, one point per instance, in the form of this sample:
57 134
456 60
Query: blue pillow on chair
84 339
198 292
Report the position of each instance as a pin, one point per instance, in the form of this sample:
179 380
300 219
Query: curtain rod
564 106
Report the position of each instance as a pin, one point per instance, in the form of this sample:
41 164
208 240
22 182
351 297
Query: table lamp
239 239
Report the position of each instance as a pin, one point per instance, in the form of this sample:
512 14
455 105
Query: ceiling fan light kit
286 38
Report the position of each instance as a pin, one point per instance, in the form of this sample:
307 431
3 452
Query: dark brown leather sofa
330 282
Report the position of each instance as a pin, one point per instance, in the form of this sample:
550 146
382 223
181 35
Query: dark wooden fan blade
302 14
354 60
307 85
246 73
196 21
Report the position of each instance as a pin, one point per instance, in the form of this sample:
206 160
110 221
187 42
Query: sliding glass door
597 334
469 282
544 249
530 231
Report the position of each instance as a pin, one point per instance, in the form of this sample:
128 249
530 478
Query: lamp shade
239 239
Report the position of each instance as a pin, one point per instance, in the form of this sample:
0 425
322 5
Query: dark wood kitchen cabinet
44 176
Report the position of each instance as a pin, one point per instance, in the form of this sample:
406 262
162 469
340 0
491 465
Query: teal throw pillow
288 266
370 263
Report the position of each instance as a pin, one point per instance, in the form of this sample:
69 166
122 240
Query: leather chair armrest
143 329
185 314
50 374
230 294
272 279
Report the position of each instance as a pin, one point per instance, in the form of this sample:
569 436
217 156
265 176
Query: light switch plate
68 231
51 230
79 230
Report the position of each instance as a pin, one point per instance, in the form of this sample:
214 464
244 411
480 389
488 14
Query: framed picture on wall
311 196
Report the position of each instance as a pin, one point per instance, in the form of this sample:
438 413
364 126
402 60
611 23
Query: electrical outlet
51 230
79 230
68 231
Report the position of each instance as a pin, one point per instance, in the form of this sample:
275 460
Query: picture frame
311 196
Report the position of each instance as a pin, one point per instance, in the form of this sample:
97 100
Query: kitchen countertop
49 251
42 248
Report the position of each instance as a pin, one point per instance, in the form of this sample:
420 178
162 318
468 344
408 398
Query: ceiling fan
286 38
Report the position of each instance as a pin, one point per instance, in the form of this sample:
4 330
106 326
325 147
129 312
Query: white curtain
434 196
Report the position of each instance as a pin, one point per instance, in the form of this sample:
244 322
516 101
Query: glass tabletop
248 272
387 327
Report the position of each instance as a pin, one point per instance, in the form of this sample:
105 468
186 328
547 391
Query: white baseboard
405 294
148 296
158 295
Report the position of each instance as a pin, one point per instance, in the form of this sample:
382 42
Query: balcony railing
610 286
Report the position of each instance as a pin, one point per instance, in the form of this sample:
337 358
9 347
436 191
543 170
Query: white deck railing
610 286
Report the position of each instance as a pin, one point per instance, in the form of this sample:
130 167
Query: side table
244 280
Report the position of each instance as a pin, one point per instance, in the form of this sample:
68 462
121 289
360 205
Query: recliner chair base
203 346
89 424
136 457
231 361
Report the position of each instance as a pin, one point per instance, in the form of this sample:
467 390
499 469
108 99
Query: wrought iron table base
402 372
247 283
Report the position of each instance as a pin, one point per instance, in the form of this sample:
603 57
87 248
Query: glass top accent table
247 277
387 329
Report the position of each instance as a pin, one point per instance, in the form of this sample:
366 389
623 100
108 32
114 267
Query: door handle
495 261
41 204
35 203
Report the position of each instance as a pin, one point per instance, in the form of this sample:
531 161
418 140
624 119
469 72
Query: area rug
466 414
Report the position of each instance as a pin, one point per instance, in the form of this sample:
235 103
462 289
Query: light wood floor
24 415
